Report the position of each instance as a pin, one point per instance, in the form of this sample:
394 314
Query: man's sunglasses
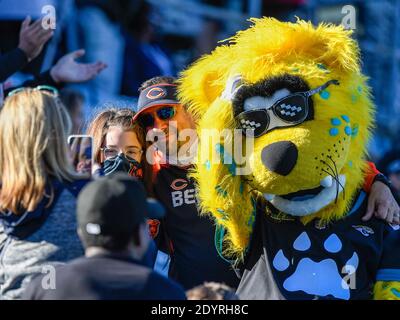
165 113
49 89
286 112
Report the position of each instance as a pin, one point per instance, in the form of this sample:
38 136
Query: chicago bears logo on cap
156 93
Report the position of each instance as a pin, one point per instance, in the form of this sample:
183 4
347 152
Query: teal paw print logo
320 278
343 123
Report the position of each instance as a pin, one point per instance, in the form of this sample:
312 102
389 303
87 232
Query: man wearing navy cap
111 214
184 234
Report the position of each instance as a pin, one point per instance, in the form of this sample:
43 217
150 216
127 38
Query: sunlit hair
34 126
157 80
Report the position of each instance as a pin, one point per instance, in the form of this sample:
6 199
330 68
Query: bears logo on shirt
154 227
179 184
181 196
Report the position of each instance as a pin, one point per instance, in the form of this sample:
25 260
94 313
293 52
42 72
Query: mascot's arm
384 290
370 174
370 177
382 196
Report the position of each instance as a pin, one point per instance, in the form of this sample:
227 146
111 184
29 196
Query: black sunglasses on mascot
288 111
165 113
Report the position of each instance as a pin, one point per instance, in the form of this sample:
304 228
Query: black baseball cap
115 204
160 94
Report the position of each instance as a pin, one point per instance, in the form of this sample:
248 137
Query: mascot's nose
280 157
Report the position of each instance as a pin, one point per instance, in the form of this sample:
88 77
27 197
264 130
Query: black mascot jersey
194 258
285 262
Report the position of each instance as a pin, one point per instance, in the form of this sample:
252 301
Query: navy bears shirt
340 260
187 236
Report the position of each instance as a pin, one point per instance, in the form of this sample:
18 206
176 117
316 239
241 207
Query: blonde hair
33 136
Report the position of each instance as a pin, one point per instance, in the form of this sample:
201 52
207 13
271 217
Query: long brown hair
122 118
34 126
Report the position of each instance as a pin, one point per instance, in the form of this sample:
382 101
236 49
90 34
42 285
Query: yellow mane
271 48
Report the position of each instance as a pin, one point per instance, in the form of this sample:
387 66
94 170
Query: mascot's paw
387 290
318 278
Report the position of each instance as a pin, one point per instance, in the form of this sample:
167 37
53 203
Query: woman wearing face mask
118 143
119 146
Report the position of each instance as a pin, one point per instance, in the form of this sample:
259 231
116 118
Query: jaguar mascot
289 215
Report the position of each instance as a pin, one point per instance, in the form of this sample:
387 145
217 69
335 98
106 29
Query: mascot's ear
204 81
330 45
339 50
270 44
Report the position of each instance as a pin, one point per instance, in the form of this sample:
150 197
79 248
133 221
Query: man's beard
175 152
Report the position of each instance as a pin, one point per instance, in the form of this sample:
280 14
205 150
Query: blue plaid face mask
122 163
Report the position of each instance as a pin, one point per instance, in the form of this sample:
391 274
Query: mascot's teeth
326 182
269 197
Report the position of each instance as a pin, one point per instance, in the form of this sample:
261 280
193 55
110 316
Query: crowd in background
133 39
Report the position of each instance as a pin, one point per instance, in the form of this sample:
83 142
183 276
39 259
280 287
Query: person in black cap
111 214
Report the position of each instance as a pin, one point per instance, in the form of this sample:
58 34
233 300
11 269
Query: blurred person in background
66 70
390 165
111 216
393 171
100 25
81 154
32 38
285 10
73 101
208 38
38 189
145 57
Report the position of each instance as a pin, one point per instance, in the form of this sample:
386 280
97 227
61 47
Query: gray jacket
54 243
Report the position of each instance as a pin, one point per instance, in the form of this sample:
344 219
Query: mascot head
297 90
